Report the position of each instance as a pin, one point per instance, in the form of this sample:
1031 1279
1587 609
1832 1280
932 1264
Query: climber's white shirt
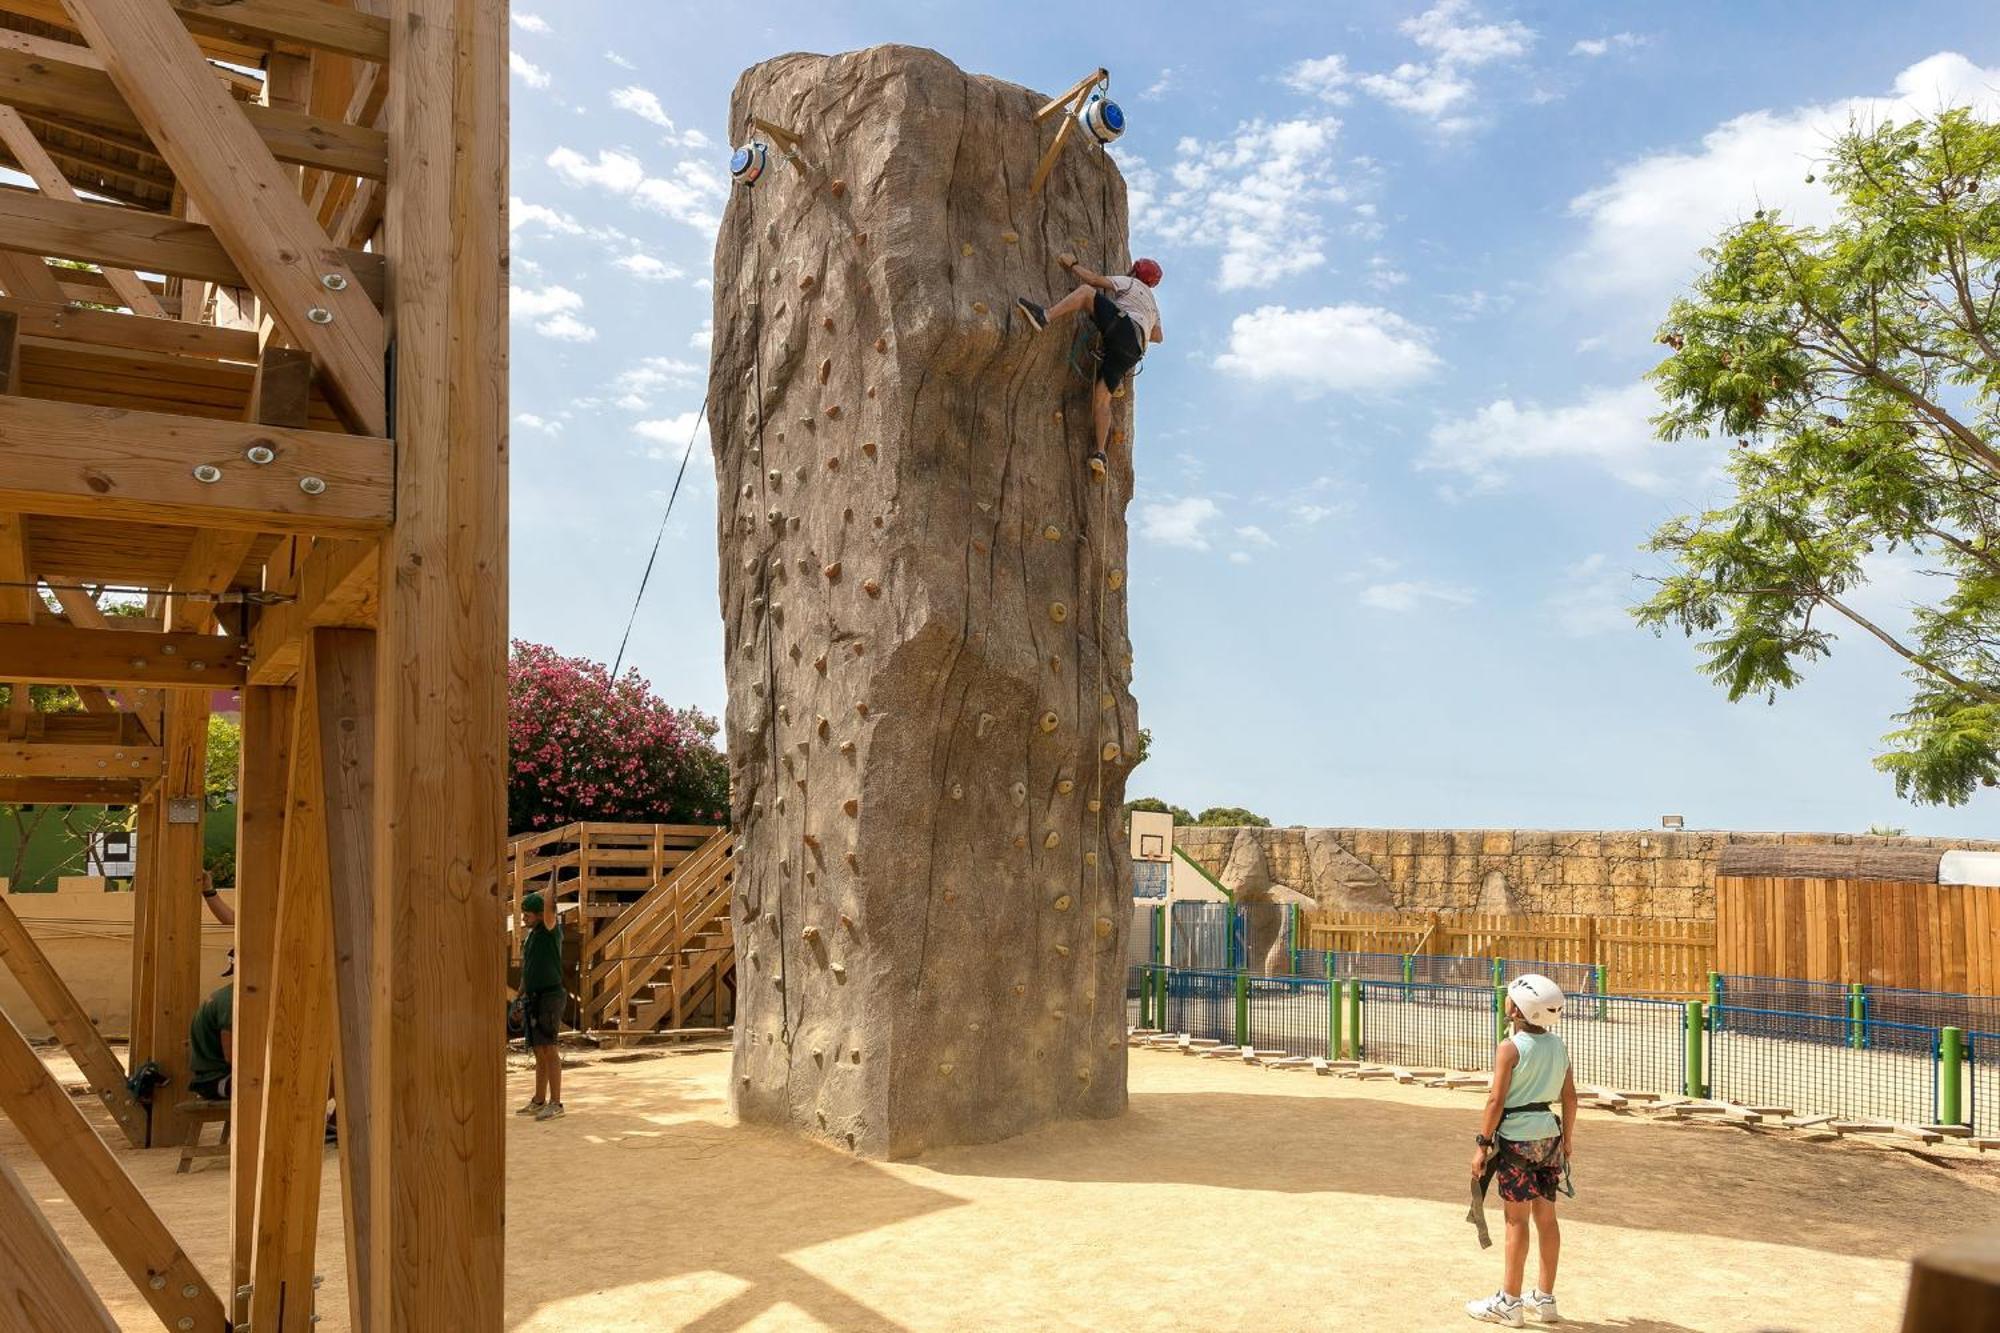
1135 298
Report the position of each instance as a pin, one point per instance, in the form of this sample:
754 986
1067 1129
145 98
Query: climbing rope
1097 732
633 619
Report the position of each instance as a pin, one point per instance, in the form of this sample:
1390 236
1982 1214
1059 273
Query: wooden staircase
650 907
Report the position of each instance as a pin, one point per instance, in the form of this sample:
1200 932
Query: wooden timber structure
649 907
253 382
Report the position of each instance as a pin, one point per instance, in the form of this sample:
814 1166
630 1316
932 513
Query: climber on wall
1127 319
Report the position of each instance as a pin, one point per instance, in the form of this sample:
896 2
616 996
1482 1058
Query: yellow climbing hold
1111 751
1062 903
966 249
1116 578
1052 532
1058 612
1049 721
1053 840
1010 237
979 307
1065 787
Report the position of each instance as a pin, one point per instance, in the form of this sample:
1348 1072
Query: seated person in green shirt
542 989
211 1045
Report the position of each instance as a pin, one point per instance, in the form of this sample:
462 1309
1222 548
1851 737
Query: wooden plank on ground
265 771
249 201
106 1197
104 462
52 998
41 1288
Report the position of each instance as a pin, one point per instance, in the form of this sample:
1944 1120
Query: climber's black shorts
1122 348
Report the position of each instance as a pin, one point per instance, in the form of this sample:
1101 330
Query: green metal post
1951 1059
1160 935
1694 1085
1242 1008
1332 1011
1857 1014
1354 1019
1145 997
1714 990
1597 984
1499 1013
1409 970
1160 1003
1499 972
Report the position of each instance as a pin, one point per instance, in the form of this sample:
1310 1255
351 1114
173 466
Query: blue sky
1393 461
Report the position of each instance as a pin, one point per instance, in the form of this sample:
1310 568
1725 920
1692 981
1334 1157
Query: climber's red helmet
1147 271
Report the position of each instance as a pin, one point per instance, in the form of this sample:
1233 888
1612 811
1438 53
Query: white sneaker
554 1111
1541 1307
1499 1308
531 1108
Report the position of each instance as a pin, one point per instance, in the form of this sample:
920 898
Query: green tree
1230 816
225 753
1154 805
1857 367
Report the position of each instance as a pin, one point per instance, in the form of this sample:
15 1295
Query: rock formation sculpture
922 592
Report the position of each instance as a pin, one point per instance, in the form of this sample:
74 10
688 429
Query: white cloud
1645 227
648 268
704 337
521 213
532 75
1606 428
1251 195
691 194
530 421
641 103
619 60
1438 89
1253 535
1591 599
556 307
1597 46
1184 523
1160 87
667 441
1337 349
1309 514
654 373
1409 595
1239 557
1326 78
530 22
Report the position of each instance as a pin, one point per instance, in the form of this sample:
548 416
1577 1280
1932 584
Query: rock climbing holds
1019 791
823 727
807 282
979 307
1093 805
847 747
819 664
1052 533
1058 612
958 791
1065 786
871 587
984 725
1090 858
1010 237
1049 721
832 573
1111 751
833 412
811 840
851 807
1062 903
833 462
881 344
1053 840
868 448
1062 951
861 709
810 934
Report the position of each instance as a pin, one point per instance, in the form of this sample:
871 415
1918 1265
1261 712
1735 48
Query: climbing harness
747 163
1104 118
1086 353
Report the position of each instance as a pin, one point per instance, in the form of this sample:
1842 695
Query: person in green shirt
211 1045
544 1000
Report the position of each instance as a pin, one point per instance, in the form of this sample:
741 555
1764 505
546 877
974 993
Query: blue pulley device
1103 118
746 164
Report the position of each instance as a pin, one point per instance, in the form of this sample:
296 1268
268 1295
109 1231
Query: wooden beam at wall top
259 23
103 328
130 238
250 202
69 791
102 462
79 92
65 655
43 759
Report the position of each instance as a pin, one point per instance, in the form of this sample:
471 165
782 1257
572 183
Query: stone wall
1616 872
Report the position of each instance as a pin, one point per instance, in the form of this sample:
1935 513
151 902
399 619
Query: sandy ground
1227 1198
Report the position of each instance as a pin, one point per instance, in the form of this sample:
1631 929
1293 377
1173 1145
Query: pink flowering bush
581 746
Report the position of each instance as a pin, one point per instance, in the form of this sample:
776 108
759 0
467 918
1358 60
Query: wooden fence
1940 937
1640 956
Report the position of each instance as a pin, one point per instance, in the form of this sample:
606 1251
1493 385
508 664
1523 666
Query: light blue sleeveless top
1537 1078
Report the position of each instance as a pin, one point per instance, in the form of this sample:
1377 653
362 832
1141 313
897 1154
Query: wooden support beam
17 604
69 791
281 392
34 224
81 93
256 24
107 462
40 759
50 654
85 1169
175 912
103 328
261 798
52 998
41 1288
335 586
344 675
299 1036
253 207
211 562
41 169
1955 1286
1076 90
145 1042
437 1172
83 612
27 277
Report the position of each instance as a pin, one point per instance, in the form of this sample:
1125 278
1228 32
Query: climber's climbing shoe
1034 314
1097 467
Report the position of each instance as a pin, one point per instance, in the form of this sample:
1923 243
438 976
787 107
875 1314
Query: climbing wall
923 595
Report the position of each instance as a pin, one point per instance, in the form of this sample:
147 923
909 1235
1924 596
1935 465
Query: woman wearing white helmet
1524 1146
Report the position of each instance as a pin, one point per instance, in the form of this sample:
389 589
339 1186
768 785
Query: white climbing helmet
1539 999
